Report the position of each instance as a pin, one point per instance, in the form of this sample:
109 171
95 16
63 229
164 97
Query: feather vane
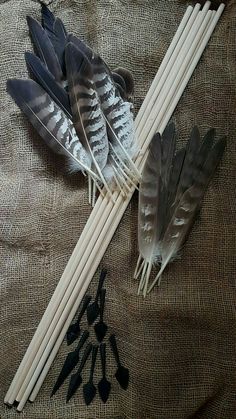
54 127
182 180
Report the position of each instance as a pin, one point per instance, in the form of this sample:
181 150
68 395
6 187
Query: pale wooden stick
137 266
147 278
189 47
70 268
20 395
164 63
20 375
117 219
89 189
169 67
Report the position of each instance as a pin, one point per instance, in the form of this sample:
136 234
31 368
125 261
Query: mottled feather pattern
41 74
87 116
117 111
54 127
183 177
148 198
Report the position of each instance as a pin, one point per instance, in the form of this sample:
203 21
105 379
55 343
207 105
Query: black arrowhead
74 330
89 389
104 386
76 379
75 382
72 333
71 361
122 376
93 309
100 327
122 373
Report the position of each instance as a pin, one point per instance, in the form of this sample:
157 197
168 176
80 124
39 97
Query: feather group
79 107
170 196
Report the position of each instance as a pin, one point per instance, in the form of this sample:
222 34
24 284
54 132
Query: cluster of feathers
78 106
170 196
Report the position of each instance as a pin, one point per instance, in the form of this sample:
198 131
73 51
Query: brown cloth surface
180 342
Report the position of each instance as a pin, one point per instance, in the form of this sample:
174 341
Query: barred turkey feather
53 126
83 98
41 74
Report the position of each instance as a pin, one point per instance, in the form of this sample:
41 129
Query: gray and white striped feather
53 126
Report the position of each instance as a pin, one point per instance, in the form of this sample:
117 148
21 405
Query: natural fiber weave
179 343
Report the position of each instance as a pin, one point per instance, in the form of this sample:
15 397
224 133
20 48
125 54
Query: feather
189 205
176 183
85 49
55 128
48 19
44 48
128 80
59 41
186 177
88 119
117 112
148 201
48 82
118 79
56 32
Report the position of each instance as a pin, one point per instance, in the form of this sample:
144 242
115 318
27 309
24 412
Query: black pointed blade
70 362
100 330
92 312
89 391
72 333
104 388
122 376
75 382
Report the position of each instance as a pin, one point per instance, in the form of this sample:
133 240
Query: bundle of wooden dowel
166 90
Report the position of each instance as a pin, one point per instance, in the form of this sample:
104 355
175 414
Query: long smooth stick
162 69
38 355
70 268
95 263
180 67
169 66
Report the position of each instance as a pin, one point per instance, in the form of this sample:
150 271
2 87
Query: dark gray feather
44 48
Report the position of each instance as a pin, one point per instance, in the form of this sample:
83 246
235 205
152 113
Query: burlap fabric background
179 343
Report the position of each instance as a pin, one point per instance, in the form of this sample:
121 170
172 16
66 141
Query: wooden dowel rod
158 86
180 67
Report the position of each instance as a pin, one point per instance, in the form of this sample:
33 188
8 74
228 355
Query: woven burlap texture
180 343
